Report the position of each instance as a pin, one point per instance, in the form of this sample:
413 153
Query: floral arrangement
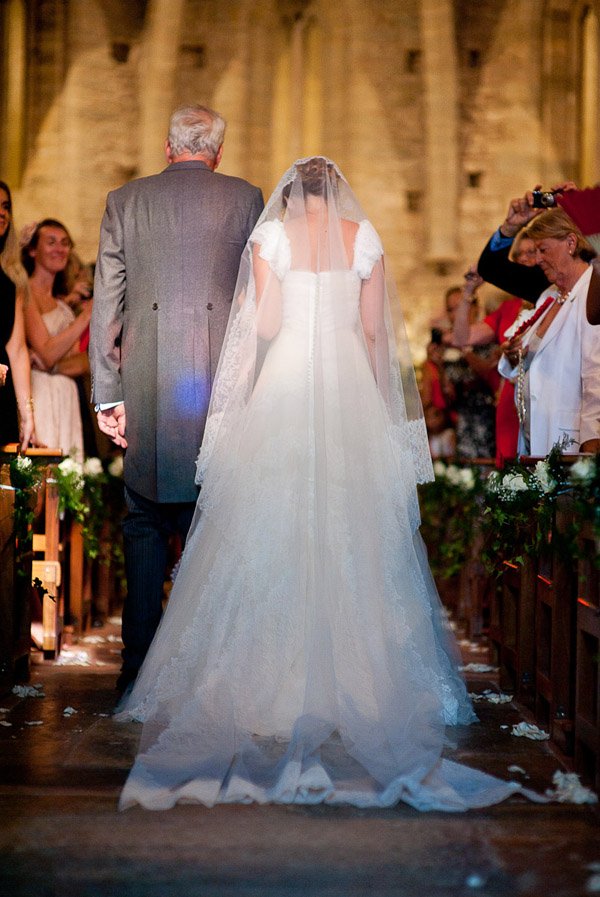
450 509
25 477
519 518
584 479
85 491
513 510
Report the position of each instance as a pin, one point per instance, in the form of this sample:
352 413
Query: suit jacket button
154 306
210 306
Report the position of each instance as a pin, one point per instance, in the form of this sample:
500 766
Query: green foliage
25 477
450 510
514 509
94 497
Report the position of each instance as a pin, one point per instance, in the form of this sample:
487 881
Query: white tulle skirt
303 656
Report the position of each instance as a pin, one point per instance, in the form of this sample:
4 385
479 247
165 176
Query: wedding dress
303 655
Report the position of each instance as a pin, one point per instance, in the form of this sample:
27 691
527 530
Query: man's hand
112 421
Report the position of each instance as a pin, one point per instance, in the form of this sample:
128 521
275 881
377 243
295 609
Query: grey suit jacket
170 247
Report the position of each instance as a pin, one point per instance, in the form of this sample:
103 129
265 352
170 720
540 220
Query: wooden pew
511 630
45 567
587 678
555 594
15 603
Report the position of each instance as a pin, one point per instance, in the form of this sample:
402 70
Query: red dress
507 422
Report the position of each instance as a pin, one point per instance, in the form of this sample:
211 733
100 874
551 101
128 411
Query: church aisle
61 771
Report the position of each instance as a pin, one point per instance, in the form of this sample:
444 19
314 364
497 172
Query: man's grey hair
197 130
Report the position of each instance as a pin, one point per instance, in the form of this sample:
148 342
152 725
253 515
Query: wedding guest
16 403
437 396
492 329
53 333
472 374
554 356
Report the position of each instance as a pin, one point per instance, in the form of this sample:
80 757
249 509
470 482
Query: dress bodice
332 295
59 318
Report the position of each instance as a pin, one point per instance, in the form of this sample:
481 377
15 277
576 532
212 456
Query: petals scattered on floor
569 790
529 730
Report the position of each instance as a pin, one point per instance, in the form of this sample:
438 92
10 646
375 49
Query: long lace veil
302 656
310 223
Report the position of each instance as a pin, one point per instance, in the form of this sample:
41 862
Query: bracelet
29 403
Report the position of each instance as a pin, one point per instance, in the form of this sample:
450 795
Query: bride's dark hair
314 175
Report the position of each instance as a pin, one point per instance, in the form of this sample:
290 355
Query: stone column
441 129
14 123
590 95
313 90
157 79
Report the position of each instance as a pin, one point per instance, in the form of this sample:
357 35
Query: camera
544 199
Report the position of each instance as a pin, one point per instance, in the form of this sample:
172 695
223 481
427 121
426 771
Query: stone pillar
296 98
15 90
441 129
157 79
313 91
590 96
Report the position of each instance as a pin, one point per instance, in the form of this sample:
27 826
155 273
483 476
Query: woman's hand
520 212
473 280
513 349
26 427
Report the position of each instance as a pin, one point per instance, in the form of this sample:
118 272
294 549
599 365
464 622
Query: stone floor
61 833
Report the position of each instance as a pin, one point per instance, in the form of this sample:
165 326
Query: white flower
92 467
115 468
583 470
493 481
542 475
70 465
439 468
453 474
467 478
23 463
514 482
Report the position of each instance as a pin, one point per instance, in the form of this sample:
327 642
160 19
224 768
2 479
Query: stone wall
293 78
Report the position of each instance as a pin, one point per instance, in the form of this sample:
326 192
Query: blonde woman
554 356
54 332
16 405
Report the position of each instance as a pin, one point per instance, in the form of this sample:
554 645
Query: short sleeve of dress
367 249
274 246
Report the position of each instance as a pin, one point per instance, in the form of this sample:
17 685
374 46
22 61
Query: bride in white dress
303 657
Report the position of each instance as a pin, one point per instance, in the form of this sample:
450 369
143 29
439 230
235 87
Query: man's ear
219 156
168 152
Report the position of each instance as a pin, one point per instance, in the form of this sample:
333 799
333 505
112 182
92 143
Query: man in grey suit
170 247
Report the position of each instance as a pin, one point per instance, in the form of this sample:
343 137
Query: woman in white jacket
554 355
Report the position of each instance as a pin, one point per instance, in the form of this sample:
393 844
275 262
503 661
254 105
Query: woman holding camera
553 355
54 332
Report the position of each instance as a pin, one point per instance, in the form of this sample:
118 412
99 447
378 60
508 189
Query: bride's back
319 240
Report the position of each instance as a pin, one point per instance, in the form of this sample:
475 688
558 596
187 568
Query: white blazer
564 376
